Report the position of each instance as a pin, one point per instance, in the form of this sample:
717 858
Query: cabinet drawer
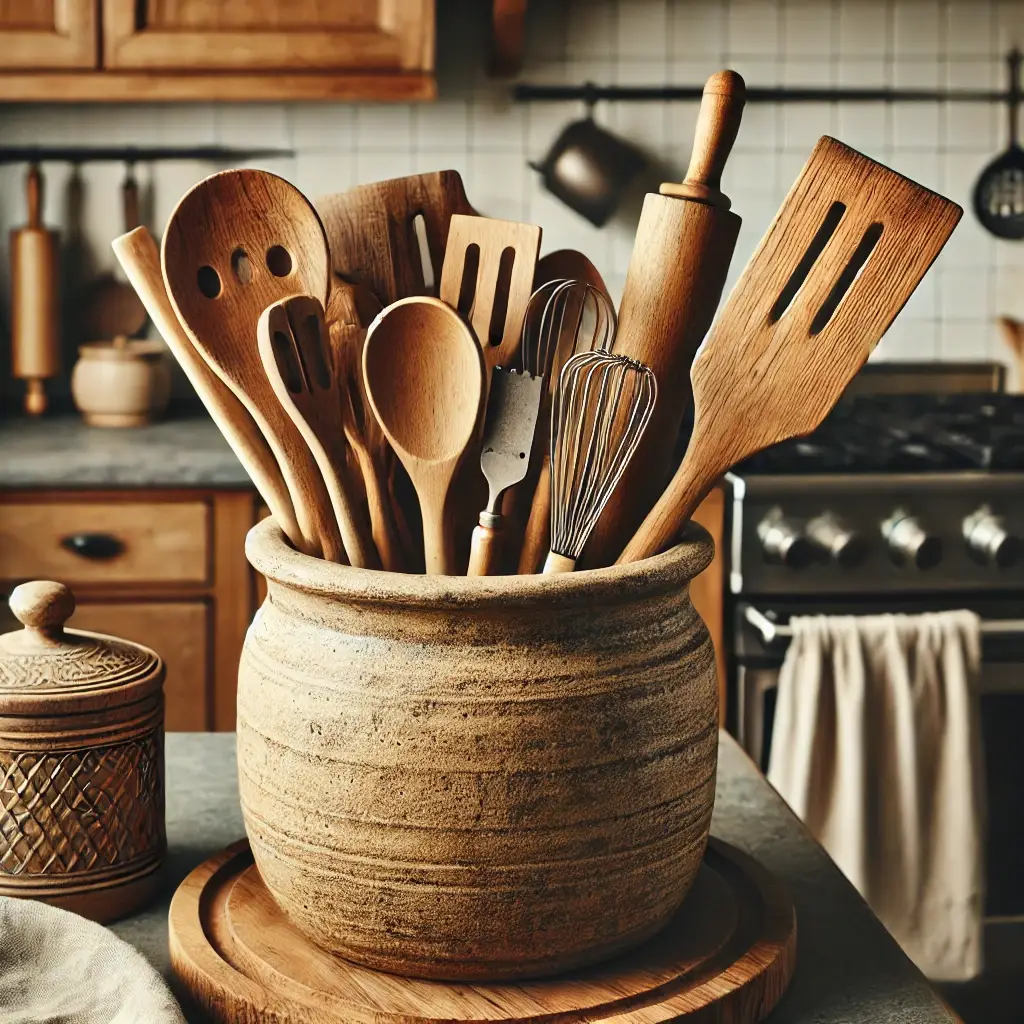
105 542
179 632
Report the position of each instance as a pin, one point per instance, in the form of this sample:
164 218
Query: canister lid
46 668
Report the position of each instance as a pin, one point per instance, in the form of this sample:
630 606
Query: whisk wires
598 416
564 317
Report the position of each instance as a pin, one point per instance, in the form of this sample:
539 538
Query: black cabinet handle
99 546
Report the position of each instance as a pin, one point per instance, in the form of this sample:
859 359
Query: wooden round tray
727 955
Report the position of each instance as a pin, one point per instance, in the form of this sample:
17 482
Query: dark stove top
906 434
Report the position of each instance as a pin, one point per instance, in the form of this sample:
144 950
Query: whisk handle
485 546
558 563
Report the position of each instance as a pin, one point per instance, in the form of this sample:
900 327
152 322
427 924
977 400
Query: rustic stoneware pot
469 778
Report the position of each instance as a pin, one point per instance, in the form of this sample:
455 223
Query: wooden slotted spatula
390 235
295 349
488 277
843 255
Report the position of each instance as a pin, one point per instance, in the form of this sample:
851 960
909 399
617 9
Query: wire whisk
564 318
598 415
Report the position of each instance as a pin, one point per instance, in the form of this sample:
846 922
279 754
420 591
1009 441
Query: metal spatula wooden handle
847 249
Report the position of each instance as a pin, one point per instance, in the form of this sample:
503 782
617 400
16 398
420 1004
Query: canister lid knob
43 606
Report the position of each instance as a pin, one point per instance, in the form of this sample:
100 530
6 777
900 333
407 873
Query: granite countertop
849 970
60 451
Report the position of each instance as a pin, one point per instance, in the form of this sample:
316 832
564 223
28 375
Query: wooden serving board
727 956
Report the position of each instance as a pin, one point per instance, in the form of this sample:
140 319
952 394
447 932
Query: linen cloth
877 747
59 968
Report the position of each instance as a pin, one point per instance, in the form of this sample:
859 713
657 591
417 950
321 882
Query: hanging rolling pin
684 244
35 310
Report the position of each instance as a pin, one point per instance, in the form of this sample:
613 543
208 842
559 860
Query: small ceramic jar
81 762
121 383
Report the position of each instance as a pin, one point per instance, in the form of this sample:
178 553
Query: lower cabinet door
179 631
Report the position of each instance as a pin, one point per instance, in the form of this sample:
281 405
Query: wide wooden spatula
843 255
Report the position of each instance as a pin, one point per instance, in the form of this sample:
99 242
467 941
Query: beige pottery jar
471 778
121 383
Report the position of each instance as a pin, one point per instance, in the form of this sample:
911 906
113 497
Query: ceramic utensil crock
81 762
471 778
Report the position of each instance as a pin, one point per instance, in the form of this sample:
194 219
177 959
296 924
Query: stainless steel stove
897 503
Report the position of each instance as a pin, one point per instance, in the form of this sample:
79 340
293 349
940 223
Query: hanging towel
876 745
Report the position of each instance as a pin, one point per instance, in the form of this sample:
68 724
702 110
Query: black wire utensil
999 193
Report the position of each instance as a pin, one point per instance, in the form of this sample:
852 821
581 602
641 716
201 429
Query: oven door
757 662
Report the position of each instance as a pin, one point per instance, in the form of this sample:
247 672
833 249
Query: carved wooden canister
477 778
81 762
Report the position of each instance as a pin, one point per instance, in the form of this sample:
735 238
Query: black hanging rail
590 93
130 154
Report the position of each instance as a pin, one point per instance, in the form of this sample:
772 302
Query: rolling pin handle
717 125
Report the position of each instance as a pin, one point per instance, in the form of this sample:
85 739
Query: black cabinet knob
99 546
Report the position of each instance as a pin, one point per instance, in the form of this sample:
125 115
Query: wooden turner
488 277
843 255
391 235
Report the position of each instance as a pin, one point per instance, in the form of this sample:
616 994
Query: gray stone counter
57 452
849 971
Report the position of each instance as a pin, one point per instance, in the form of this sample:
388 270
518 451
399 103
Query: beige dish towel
59 968
877 747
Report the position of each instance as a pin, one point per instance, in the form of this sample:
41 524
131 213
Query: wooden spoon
843 255
295 349
140 258
568 265
424 376
236 243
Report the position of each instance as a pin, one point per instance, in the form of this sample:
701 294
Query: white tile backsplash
475 127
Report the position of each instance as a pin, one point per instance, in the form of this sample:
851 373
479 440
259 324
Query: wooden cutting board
726 956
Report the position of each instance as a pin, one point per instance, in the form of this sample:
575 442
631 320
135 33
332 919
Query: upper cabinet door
268 35
38 34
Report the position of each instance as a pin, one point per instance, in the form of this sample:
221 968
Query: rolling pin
684 244
35 310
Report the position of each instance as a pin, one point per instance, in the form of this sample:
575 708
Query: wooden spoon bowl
425 380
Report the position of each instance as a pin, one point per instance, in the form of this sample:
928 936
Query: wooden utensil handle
378 499
138 255
34 196
718 122
686 490
130 200
537 536
485 546
437 540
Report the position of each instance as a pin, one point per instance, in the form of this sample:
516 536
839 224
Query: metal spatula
843 255
511 423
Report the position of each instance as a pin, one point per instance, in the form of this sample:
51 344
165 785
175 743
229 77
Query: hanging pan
999 193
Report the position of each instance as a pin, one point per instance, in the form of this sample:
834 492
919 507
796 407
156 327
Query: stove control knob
782 542
988 539
832 537
909 542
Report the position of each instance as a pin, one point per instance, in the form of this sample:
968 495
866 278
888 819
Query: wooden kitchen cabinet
262 35
49 34
163 568
145 50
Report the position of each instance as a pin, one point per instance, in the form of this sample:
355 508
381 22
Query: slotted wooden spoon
843 255
236 243
296 353
424 376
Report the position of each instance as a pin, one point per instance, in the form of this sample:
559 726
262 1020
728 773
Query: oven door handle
772 631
